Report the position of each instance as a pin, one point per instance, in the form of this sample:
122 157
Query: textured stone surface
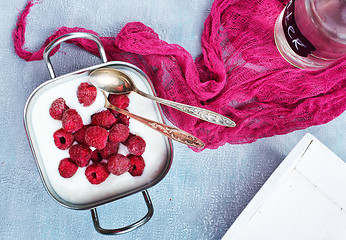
202 194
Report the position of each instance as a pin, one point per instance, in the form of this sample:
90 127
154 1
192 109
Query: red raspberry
67 168
124 119
119 133
80 154
71 120
137 165
86 94
62 139
57 108
118 164
96 156
136 145
103 119
121 101
111 148
130 136
121 118
79 135
96 173
96 137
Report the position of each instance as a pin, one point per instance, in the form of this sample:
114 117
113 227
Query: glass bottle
311 34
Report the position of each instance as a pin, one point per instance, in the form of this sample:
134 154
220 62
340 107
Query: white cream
77 189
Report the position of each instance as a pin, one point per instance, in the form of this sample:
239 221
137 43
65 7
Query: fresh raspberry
96 173
121 101
121 118
80 154
129 137
79 135
62 139
124 119
86 94
103 119
137 165
111 148
96 136
136 145
67 168
119 133
118 164
96 156
57 108
71 120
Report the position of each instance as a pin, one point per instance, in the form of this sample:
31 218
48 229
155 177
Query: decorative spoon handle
200 113
170 132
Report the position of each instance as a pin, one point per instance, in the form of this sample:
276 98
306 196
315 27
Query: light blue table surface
202 194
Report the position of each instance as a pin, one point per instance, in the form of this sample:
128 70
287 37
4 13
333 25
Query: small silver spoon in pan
117 82
170 132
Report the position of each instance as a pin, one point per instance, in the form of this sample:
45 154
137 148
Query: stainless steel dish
35 129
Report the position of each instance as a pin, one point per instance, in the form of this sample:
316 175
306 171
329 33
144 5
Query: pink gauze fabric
240 73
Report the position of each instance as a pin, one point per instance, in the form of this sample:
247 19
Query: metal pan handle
67 37
128 228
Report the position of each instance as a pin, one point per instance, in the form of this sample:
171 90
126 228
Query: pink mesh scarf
240 73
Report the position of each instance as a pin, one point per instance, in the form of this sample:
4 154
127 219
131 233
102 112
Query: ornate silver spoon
117 82
170 132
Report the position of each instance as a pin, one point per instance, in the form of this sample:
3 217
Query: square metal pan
33 131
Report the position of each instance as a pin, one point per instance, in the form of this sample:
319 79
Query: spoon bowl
117 82
112 81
